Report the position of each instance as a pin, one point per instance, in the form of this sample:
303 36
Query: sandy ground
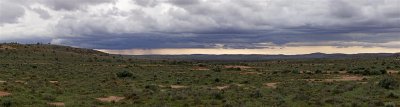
110 99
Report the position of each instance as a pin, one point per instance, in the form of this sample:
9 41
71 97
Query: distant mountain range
266 57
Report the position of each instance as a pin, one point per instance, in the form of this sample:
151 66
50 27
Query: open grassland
49 75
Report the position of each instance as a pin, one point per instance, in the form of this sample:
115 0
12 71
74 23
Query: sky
206 26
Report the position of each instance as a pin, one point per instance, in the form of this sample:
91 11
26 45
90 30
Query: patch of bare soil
3 81
178 86
250 73
235 66
6 47
110 99
21 82
3 94
57 104
53 82
239 85
222 87
271 85
392 72
340 78
200 68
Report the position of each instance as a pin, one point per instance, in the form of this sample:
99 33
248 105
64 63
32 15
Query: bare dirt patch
178 86
222 87
57 104
3 94
3 81
271 85
200 68
340 78
111 99
162 86
235 66
239 85
21 82
392 72
6 47
53 82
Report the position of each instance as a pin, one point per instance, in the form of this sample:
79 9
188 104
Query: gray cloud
43 13
10 12
72 4
124 24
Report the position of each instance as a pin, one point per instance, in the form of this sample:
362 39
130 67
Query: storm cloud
239 24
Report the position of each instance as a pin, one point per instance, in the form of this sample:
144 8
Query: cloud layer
126 24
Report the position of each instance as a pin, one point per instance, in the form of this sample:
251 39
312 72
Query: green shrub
6 102
124 74
390 104
388 83
256 94
318 71
295 71
216 69
393 96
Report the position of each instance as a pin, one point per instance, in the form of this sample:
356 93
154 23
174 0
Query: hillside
49 75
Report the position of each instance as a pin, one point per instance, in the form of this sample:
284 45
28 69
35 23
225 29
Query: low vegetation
40 75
